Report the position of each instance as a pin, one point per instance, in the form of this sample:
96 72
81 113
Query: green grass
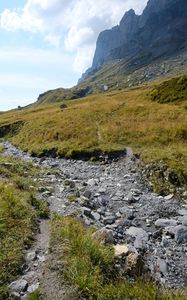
17 223
35 295
89 267
171 90
105 123
19 212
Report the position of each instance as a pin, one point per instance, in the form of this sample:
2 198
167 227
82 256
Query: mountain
141 48
160 31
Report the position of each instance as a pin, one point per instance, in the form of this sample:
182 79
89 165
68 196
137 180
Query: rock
92 182
108 220
15 296
162 265
134 264
136 231
181 234
32 288
184 221
104 235
87 194
165 222
121 250
182 212
41 258
63 106
102 190
19 286
31 256
121 42
86 211
30 276
141 236
95 216
118 215
169 197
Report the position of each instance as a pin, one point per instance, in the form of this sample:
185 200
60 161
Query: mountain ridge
159 32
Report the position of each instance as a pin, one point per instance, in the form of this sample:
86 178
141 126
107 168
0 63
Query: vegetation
171 90
35 295
106 123
61 94
18 218
89 266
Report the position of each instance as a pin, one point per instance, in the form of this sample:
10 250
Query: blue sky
46 44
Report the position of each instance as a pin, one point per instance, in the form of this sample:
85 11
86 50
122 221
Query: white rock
19 286
121 250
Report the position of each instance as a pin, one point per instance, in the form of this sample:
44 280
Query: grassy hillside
105 122
171 90
118 74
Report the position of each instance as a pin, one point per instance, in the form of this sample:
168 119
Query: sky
47 44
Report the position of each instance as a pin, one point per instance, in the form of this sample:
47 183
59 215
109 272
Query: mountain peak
161 30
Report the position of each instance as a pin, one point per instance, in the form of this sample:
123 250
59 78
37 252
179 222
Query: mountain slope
139 49
160 31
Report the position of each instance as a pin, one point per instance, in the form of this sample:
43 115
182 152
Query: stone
41 258
162 265
32 288
86 211
134 264
31 256
118 215
104 235
87 194
136 231
95 216
30 276
102 190
108 220
165 222
19 286
181 234
141 236
121 250
184 221
182 212
92 182
169 197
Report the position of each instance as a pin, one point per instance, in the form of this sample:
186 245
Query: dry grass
108 122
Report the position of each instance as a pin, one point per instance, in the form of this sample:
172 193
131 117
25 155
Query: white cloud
74 24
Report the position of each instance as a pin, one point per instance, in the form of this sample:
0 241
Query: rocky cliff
160 31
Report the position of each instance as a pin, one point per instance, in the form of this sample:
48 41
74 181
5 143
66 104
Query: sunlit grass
106 122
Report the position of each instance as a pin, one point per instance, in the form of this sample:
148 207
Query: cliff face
161 30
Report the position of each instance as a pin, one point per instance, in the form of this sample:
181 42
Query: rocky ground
117 199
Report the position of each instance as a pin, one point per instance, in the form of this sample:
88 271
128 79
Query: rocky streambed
118 200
